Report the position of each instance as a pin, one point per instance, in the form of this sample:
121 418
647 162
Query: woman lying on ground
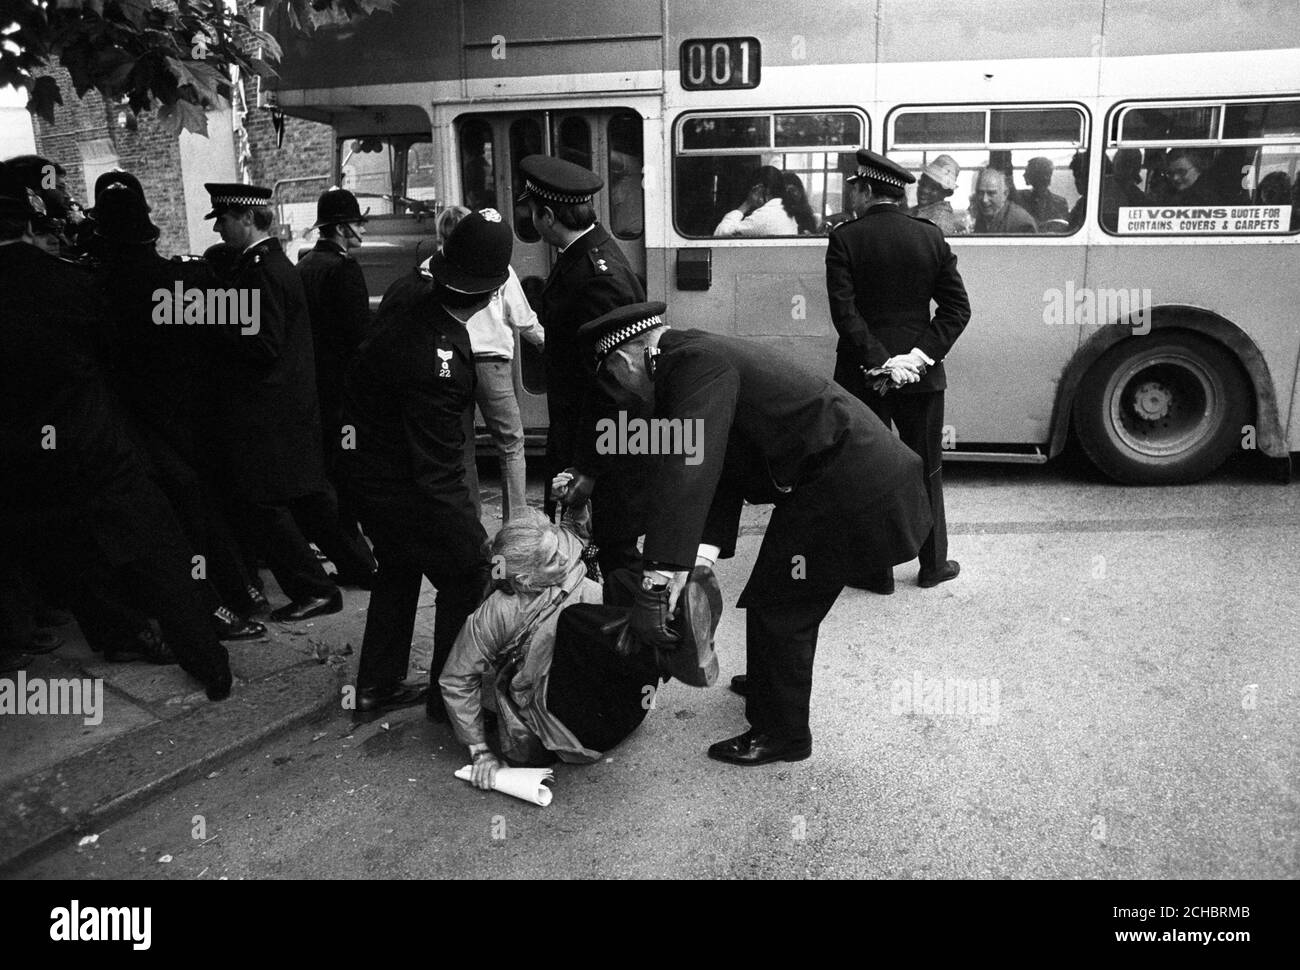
538 653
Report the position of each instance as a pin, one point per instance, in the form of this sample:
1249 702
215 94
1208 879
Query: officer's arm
701 390
953 308
353 304
844 308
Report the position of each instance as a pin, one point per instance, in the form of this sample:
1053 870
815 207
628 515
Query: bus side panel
997 371
1219 278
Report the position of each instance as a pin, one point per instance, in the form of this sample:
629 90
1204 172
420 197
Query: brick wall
152 154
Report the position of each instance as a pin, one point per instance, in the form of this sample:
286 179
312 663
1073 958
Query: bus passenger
994 211
1039 200
937 183
765 211
795 200
1185 169
1120 186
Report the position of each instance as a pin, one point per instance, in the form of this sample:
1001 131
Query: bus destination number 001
726 62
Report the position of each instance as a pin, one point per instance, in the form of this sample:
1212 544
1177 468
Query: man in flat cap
846 494
406 393
338 303
591 276
882 272
270 420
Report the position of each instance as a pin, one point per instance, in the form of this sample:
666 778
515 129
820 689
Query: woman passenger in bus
765 211
795 202
1186 167
937 183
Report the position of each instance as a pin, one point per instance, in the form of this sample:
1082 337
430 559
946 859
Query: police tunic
882 270
266 391
845 490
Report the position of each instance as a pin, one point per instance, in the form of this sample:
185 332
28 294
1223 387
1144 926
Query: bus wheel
1161 409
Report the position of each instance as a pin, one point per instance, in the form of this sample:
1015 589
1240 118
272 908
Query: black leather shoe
751 749
373 701
306 609
947 571
880 582
740 685
258 603
231 627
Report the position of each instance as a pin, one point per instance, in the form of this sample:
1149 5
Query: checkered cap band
239 200
880 175
611 340
532 188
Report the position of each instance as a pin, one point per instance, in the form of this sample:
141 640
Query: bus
1149 307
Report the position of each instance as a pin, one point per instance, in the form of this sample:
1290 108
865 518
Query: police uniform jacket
266 388
848 494
589 279
882 271
158 370
68 462
338 303
406 393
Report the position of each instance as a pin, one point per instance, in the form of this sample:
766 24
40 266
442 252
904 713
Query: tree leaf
42 98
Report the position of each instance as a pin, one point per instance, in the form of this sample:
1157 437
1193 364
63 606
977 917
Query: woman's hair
523 547
795 202
447 220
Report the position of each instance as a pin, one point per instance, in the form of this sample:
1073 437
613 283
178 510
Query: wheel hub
1152 400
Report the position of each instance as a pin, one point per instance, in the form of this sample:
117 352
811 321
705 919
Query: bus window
996 171
1217 169
573 141
389 174
525 140
626 205
477 165
763 173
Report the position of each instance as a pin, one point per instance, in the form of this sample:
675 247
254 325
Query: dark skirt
597 694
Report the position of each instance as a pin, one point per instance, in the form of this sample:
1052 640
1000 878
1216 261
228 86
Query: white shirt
490 331
769 219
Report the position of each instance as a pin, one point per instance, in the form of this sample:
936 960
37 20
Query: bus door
608 141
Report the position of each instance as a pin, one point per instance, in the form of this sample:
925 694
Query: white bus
1150 303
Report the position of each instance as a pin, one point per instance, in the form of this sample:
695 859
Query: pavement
1109 690
62 776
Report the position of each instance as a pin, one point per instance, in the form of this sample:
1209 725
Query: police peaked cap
605 334
555 180
227 195
877 168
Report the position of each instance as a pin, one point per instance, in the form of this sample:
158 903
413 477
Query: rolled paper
526 784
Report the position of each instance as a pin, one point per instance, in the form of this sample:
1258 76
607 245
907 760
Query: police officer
406 393
266 397
156 373
75 500
882 271
591 276
845 492
338 303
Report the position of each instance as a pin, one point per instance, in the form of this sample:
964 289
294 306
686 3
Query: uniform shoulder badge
598 259
444 359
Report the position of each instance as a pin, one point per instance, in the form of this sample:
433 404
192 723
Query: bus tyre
1161 409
